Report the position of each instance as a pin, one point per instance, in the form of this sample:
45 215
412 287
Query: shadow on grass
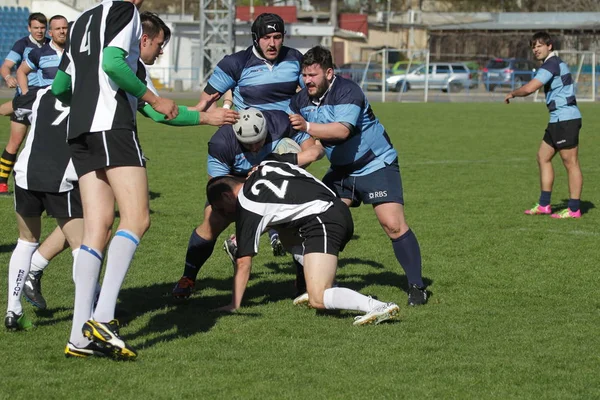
7 248
584 206
177 319
184 318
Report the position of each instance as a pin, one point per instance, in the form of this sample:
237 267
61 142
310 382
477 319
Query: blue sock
273 235
574 204
545 198
408 254
198 251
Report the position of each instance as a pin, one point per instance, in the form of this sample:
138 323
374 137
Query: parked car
507 72
400 66
451 77
355 71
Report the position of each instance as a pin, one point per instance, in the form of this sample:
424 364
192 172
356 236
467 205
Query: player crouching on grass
562 132
286 197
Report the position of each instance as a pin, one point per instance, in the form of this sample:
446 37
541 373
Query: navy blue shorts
381 186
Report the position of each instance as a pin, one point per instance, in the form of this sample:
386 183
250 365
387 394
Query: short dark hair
39 17
216 187
152 24
542 37
318 55
57 17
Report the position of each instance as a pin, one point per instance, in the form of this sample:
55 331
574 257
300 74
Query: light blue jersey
560 90
368 148
44 63
227 156
19 51
256 82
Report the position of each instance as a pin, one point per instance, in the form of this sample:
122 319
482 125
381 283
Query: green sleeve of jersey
61 87
184 118
113 63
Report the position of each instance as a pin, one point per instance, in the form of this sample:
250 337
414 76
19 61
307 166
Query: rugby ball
287 145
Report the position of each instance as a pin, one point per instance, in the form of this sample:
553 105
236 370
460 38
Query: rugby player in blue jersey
36 24
264 76
364 164
562 132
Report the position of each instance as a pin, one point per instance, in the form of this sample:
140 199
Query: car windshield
497 64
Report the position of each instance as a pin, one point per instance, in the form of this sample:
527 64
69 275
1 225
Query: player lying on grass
235 149
286 197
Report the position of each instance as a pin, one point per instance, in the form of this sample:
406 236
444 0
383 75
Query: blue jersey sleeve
543 75
293 107
348 105
217 167
221 152
33 59
548 70
16 53
227 73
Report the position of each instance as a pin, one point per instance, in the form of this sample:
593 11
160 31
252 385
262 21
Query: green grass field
514 311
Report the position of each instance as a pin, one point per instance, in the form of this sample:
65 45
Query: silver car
445 76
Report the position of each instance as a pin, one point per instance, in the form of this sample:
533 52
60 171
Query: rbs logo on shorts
378 195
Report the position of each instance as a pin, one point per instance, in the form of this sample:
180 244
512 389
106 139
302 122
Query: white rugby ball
287 145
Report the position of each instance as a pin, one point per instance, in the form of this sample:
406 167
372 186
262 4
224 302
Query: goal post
408 62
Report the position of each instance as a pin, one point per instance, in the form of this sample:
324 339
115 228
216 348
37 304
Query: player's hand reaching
11 82
298 122
165 106
219 116
508 97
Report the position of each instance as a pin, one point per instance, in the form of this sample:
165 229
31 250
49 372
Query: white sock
18 268
120 253
74 254
38 262
87 265
338 298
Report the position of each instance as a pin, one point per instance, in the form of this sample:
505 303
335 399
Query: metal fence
485 79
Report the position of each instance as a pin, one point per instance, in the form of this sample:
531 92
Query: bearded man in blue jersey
364 164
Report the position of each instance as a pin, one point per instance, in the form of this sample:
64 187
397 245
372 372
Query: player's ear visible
329 74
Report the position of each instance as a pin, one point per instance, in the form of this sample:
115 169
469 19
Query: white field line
562 232
447 162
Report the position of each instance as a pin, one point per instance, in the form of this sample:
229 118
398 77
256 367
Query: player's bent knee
395 230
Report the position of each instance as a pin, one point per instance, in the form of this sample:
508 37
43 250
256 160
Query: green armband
185 117
61 87
113 63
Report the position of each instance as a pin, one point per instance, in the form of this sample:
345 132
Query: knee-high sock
38 262
408 254
7 163
18 268
347 299
118 258
198 251
86 269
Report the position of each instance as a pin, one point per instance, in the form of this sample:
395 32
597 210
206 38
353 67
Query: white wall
51 7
